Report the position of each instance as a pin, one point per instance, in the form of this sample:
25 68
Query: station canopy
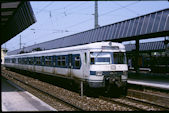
16 16
148 46
143 47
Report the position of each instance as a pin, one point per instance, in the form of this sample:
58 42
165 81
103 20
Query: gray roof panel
149 46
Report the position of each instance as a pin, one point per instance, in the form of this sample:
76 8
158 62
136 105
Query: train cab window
77 62
100 58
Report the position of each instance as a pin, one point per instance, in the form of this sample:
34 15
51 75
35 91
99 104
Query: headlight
124 77
99 73
125 73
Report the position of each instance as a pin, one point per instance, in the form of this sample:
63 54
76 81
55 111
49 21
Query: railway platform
152 80
158 84
15 98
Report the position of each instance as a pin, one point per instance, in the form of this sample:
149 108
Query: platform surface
14 98
152 83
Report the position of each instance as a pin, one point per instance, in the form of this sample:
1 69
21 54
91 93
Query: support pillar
137 56
81 88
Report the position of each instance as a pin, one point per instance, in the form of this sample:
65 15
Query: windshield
100 58
107 58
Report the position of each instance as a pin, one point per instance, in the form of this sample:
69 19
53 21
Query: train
98 65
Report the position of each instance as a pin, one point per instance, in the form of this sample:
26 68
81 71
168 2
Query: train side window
22 60
38 61
48 61
59 60
29 60
19 60
54 60
77 62
26 60
34 61
13 60
42 60
63 61
7 60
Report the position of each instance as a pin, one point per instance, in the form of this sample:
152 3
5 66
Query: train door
85 65
70 63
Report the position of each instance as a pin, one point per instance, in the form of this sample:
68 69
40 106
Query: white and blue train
97 64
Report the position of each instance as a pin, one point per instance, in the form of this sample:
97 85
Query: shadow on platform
7 86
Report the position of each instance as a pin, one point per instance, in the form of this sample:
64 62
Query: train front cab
108 69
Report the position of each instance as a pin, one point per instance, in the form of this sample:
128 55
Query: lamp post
33 33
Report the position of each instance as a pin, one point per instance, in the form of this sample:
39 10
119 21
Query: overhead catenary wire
118 8
45 7
86 20
103 14
128 9
67 6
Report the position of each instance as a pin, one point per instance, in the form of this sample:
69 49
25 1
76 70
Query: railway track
135 104
149 103
155 98
87 103
46 93
84 103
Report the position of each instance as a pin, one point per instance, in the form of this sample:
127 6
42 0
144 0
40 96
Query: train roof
96 45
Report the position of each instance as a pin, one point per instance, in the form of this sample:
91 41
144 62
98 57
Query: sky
56 19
